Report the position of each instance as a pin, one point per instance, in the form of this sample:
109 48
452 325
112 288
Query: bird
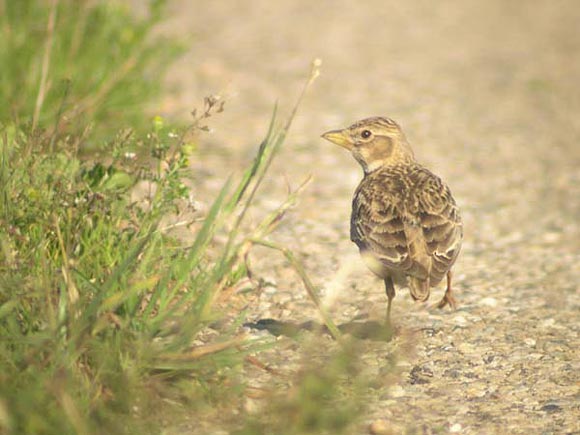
404 219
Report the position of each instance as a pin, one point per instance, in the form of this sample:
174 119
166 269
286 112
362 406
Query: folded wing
407 220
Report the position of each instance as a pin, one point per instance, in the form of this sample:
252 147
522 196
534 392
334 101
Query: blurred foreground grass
102 311
69 64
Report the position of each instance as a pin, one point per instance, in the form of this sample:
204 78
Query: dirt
488 95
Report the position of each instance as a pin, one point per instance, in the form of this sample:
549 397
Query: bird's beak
338 137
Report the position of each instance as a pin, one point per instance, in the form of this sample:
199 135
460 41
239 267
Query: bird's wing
408 219
377 224
432 209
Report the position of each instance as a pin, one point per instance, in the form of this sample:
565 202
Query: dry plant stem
267 151
73 413
236 252
257 363
198 352
73 293
258 393
272 220
87 105
299 268
208 349
76 38
314 73
267 225
59 117
42 88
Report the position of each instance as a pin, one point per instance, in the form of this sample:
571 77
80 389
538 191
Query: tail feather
419 288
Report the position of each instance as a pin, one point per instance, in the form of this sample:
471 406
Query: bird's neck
401 155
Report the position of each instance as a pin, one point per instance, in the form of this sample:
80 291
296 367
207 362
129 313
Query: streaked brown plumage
404 219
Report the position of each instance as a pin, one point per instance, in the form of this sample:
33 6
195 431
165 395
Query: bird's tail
419 288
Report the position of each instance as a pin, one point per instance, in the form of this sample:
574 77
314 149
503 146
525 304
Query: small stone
459 320
466 348
396 391
251 406
379 427
552 237
489 302
420 375
551 408
548 323
488 359
530 342
456 428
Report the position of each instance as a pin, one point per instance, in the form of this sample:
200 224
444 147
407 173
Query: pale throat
371 161
369 167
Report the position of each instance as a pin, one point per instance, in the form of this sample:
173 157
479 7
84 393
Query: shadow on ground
369 330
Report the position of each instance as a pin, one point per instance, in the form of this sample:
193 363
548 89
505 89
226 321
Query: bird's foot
447 299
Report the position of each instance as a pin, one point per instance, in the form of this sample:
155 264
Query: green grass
103 311
98 305
71 63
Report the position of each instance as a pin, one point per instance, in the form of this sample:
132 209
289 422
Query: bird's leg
390 289
448 298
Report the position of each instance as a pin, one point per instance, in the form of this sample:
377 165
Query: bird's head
373 142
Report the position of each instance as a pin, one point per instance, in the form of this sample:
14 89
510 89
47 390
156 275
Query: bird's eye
366 134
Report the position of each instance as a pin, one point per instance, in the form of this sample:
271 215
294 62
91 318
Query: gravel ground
489 97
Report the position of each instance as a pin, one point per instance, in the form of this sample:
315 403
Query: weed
73 63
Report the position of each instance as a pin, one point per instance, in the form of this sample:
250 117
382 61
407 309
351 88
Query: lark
404 219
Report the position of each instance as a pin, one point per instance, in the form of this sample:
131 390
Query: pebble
530 342
456 428
535 356
459 320
552 237
379 427
251 406
489 302
548 323
466 348
396 391
551 408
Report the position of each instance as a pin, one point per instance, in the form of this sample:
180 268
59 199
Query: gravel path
489 97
